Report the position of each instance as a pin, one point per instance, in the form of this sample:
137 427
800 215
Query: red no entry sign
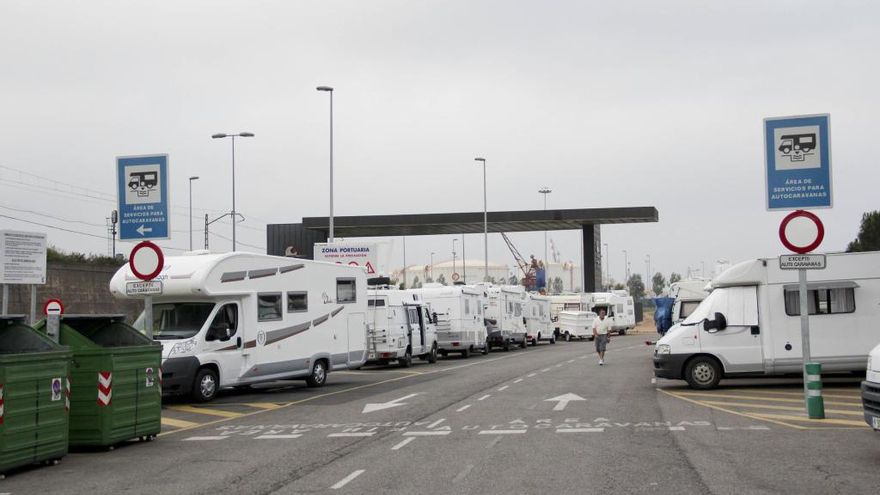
53 307
801 231
146 260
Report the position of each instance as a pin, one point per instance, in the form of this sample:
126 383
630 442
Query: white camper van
235 319
504 316
576 324
564 302
618 305
871 390
538 324
688 294
459 315
399 327
750 323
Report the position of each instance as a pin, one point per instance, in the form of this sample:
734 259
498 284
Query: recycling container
115 390
34 391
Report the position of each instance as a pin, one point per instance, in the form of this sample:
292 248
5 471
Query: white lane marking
545 370
368 408
462 408
570 361
676 428
435 423
276 437
581 430
653 381
502 432
494 442
464 472
558 365
347 479
485 397
730 428
502 389
352 434
202 439
403 443
427 433
531 375
518 380
583 357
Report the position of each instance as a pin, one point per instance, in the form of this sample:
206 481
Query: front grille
871 398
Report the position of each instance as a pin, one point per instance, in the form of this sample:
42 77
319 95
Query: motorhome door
739 345
224 342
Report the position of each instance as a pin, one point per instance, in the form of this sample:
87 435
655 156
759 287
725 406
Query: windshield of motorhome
177 320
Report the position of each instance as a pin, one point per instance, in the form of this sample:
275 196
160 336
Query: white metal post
805 325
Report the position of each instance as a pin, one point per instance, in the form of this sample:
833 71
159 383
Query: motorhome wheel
535 340
406 360
465 353
553 339
319 374
506 346
567 337
486 349
703 373
622 331
432 357
205 385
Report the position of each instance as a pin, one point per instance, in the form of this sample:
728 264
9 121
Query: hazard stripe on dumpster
1 404
67 394
105 388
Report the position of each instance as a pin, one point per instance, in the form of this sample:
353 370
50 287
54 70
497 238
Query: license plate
875 422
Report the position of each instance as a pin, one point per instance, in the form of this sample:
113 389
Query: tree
674 277
429 279
636 286
659 283
416 283
441 279
558 285
619 286
513 280
869 234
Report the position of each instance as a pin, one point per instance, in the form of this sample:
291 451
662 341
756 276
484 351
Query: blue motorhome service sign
798 161
142 189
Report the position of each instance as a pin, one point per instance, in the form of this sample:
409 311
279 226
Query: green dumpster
34 390
116 394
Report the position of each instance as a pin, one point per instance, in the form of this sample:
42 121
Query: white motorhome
750 323
504 316
618 306
236 319
538 324
576 324
871 390
399 327
461 327
687 294
565 302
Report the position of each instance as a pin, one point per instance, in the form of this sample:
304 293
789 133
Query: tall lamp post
607 267
453 257
432 266
648 272
545 191
625 266
191 179
485 224
330 90
233 213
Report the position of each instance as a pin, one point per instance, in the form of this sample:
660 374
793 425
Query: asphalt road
486 425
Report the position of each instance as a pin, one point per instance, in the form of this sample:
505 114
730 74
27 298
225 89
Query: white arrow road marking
563 400
142 229
386 405
347 479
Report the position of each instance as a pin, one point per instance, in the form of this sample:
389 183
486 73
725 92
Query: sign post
53 309
22 261
146 262
796 234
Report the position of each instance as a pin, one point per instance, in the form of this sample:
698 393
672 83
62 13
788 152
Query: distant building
570 273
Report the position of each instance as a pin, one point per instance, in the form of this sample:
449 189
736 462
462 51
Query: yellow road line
178 423
781 408
263 405
758 397
367 385
842 422
736 413
206 410
825 392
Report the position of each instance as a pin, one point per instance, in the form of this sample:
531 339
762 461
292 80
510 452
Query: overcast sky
607 103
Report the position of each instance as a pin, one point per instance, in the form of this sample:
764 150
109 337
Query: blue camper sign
142 189
797 153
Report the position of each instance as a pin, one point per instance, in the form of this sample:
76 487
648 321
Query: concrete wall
83 289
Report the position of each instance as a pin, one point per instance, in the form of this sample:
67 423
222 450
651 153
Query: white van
564 302
459 315
576 324
235 319
618 306
750 323
398 328
871 390
688 294
538 324
504 316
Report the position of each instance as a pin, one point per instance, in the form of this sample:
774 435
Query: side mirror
719 323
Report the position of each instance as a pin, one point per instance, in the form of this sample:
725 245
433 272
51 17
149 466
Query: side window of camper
346 290
517 309
619 309
688 307
467 306
297 302
822 301
225 323
269 307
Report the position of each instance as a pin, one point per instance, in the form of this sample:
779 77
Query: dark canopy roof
472 222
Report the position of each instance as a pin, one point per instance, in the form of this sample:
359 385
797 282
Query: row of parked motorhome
237 319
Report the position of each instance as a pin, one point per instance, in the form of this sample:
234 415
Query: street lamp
330 90
191 179
625 266
648 267
545 191
607 266
432 266
453 257
233 213
485 224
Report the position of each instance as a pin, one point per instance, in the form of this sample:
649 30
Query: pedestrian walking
601 326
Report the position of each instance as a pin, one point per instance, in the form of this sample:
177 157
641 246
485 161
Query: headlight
182 347
663 349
